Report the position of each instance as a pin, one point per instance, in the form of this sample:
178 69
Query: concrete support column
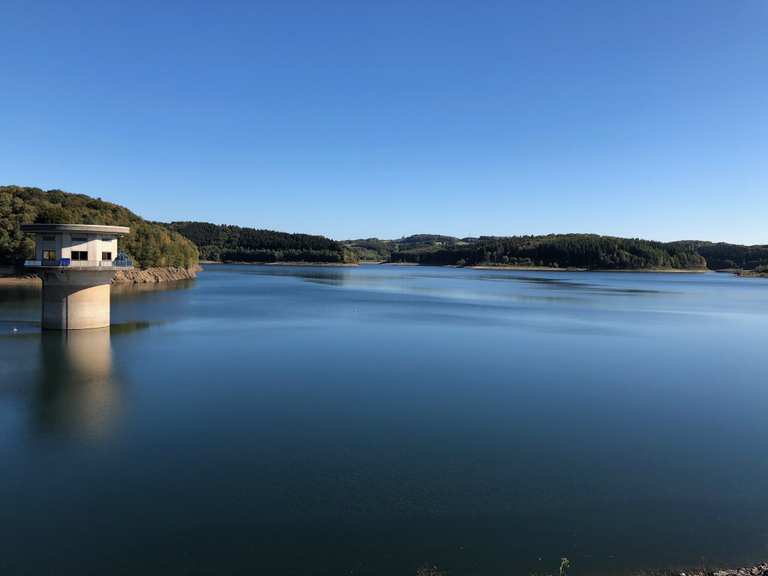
76 299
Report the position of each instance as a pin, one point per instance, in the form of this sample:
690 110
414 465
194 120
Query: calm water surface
369 421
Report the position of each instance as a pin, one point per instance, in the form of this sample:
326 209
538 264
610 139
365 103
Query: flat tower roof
86 228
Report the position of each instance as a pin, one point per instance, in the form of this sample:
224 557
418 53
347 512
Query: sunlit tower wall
77 263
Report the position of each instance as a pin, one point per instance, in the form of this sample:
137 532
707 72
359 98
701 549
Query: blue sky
357 119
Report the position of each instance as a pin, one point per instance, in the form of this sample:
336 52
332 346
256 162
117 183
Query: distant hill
723 256
375 249
222 243
556 250
562 251
148 244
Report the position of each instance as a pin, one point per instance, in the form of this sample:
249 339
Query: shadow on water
332 279
78 392
347 277
558 283
19 295
128 327
320 275
126 291
19 303
154 303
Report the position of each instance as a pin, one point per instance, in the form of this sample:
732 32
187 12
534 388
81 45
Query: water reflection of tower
78 393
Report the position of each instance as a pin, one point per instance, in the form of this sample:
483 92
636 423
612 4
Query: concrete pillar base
76 299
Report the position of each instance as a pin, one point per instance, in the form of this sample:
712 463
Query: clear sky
358 119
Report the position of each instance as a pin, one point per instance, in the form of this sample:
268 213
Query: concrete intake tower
77 263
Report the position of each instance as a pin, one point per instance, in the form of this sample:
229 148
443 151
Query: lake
379 419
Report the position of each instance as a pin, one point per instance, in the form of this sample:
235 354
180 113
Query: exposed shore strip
147 276
756 570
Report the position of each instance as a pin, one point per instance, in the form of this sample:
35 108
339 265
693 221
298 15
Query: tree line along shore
181 245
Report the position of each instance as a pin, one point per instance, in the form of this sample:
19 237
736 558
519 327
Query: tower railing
68 263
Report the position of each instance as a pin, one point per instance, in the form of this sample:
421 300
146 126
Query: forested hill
723 256
562 251
148 244
222 243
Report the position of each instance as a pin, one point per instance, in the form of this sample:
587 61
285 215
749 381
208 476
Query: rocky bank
758 570
155 275
123 277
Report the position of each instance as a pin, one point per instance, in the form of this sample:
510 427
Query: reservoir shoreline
152 275
755 570
504 267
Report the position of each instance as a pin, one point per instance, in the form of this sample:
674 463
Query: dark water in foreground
320 421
